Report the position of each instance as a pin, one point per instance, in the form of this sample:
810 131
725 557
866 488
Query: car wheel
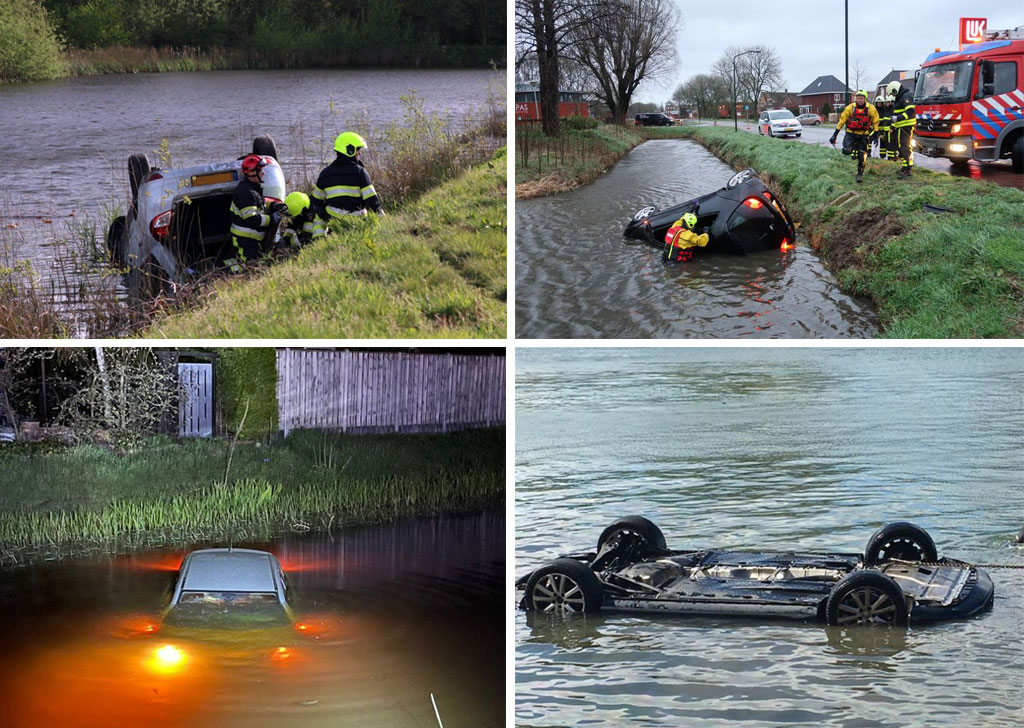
138 170
565 586
770 132
650 534
264 146
1017 155
797 134
866 598
115 241
900 540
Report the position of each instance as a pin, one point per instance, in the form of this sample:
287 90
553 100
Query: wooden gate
379 391
195 400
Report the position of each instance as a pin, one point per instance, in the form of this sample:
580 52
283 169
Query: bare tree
705 92
542 31
638 45
755 72
859 74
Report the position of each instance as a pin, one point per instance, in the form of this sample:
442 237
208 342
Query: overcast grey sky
808 35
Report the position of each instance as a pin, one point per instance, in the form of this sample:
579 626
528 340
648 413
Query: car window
1005 77
226 598
784 114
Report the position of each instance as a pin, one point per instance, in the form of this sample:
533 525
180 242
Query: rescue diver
904 120
861 121
343 187
303 225
883 104
250 218
680 237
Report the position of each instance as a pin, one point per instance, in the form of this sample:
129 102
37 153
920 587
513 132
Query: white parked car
778 122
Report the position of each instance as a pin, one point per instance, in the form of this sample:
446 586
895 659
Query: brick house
822 90
777 100
906 79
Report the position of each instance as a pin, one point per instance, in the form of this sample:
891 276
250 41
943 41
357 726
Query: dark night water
392 614
576 279
794 449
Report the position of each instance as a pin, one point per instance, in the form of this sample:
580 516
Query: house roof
892 75
825 85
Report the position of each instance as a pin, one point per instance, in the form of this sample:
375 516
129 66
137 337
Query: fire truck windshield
945 83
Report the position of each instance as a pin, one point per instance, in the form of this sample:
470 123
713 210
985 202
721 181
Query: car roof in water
242 570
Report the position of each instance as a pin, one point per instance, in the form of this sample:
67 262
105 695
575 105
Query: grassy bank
435 268
61 498
953 275
546 166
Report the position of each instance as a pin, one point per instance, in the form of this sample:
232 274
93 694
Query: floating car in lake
222 586
898 578
178 219
742 217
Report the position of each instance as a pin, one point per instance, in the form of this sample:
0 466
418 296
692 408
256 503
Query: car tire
115 241
565 586
866 598
138 170
797 134
1017 155
900 540
650 534
770 132
264 146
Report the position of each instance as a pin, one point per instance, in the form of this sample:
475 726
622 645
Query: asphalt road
1000 172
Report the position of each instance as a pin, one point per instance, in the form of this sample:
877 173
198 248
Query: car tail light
152 176
786 245
160 224
753 203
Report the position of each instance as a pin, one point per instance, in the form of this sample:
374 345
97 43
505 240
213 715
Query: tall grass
169 490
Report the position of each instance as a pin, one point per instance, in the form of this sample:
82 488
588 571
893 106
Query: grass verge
58 499
958 274
546 166
435 268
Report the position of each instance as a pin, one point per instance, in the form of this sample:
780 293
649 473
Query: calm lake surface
389 616
778 448
65 144
576 279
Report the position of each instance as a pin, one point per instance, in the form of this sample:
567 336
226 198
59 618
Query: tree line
733 76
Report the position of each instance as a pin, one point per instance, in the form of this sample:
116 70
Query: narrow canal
389 621
575 278
795 449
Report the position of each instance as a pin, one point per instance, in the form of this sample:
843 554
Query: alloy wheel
866 605
558 594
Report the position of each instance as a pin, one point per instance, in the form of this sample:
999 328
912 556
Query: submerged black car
742 217
898 579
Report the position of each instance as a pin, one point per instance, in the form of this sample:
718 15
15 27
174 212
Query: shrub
96 24
29 47
248 375
579 123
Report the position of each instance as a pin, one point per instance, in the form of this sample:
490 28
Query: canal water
575 278
65 144
389 621
789 449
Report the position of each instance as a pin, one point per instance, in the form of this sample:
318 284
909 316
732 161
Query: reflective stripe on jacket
344 188
903 110
859 121
248 215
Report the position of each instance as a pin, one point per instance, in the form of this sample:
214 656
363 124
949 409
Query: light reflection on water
776 448
387 616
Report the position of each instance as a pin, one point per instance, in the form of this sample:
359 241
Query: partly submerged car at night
742 217
229 587
898 579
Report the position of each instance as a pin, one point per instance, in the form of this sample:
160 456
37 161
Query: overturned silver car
899 579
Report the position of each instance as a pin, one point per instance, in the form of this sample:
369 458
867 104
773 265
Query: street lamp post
735 124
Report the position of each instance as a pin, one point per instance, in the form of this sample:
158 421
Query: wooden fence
388 391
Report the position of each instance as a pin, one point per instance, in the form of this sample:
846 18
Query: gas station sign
972 30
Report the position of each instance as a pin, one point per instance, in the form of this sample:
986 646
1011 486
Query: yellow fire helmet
861 92
689 219
348 142
297 202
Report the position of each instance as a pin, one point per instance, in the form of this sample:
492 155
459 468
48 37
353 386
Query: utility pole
846 34
735 124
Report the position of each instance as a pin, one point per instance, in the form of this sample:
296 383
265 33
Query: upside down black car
742 217
898 579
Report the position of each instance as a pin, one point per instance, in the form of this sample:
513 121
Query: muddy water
65 144
775 448
386 617
576 279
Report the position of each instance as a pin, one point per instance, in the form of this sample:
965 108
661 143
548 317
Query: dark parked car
653 120
742 217
898 579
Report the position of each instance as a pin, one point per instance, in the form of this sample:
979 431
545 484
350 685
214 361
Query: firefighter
883 104
904 120
303 225
343 187
861 121
250 218
680 237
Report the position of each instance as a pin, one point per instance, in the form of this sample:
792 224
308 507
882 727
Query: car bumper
954 148
976 597
785 132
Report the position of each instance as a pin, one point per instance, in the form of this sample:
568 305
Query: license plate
214 178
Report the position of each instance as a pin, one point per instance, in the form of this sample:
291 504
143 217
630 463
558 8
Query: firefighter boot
860 166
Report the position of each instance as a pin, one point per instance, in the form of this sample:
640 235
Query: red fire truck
970 103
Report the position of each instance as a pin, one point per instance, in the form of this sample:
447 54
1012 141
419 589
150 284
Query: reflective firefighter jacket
249 218
903 110
884 112
344 188
862 121
303 229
